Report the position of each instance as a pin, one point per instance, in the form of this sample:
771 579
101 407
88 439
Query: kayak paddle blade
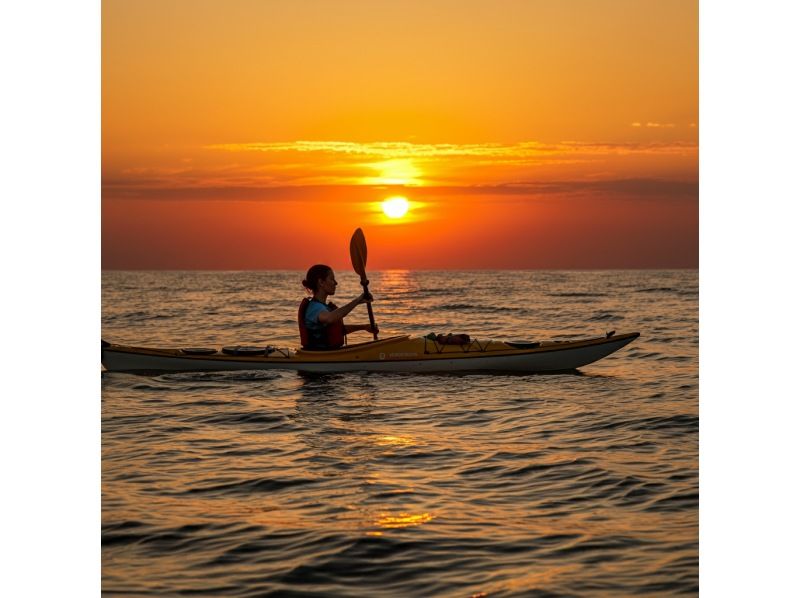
358 253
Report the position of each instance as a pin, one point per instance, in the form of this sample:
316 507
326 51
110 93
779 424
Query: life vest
333 333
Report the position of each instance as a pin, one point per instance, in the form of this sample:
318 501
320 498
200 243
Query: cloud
629 187
241 170
651 125
408 150
636 188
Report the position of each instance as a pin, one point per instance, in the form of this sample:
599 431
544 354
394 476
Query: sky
257 134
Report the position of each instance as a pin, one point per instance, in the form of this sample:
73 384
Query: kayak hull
395 354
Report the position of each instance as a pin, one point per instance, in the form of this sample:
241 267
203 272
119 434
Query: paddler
321 323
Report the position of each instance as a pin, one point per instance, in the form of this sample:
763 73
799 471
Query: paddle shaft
365 284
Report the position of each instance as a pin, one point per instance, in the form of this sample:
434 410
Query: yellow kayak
394 354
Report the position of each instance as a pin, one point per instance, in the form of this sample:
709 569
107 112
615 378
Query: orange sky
526 134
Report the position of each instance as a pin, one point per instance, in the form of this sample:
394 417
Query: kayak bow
393 354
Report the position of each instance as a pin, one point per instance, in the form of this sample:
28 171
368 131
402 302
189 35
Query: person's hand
372 329
364 298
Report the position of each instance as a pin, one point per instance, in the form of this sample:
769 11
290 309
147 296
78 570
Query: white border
749 299
51 256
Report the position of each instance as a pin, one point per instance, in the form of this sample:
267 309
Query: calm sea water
276 483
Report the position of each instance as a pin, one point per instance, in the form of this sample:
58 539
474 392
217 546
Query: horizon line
404 269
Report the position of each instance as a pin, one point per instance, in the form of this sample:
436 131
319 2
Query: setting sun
395 207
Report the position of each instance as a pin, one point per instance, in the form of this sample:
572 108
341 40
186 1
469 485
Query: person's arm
338 314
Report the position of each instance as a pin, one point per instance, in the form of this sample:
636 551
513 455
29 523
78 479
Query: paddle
358 255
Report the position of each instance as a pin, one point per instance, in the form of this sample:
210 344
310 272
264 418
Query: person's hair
314 275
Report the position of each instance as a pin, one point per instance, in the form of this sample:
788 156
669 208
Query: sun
395 207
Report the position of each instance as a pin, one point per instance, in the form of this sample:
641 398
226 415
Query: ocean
275 483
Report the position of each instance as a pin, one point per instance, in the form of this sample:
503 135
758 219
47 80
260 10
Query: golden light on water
389 521
395 207
394 441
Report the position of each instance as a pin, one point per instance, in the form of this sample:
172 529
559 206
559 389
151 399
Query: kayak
394 354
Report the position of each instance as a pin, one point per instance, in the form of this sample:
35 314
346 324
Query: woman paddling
322 324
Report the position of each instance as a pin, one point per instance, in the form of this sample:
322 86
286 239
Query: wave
587 295
247 487
680 423
236 419
479 308
605 317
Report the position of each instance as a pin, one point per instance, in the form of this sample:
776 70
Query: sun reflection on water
394 441
389 521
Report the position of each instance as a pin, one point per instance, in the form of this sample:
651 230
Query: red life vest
334 333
